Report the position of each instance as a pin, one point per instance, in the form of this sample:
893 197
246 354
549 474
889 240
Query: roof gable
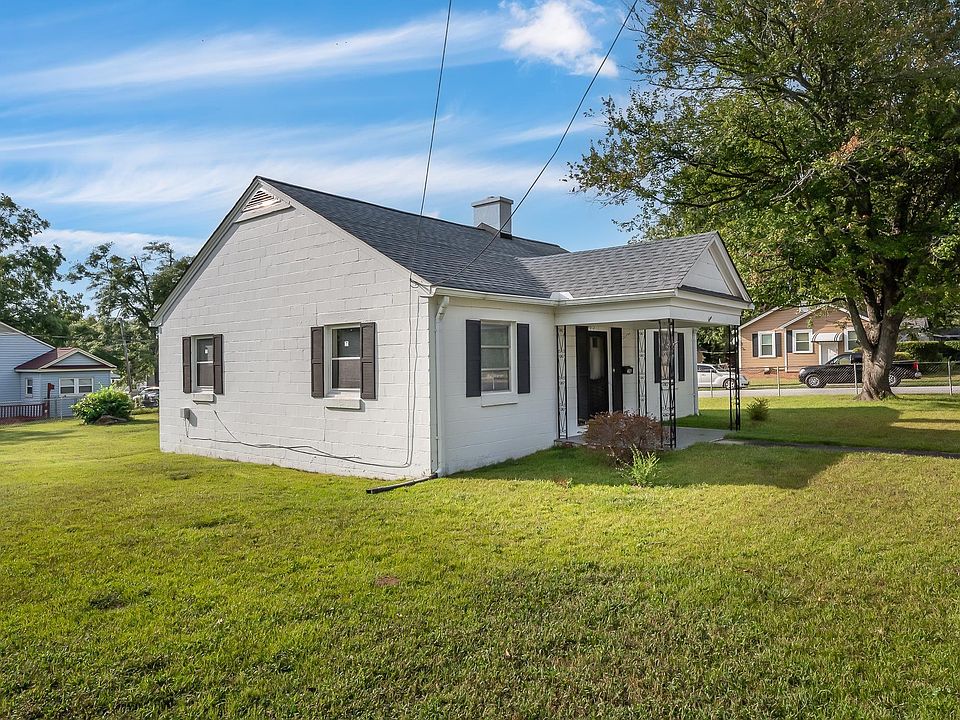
715 272
65 358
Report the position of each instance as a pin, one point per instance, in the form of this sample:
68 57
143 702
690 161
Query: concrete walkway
687 436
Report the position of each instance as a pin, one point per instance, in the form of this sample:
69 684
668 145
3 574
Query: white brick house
312 331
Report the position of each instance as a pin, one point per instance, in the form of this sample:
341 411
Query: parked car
845 368
716 376
150 396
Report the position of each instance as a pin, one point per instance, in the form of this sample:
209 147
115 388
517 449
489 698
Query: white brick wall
270 281
474 434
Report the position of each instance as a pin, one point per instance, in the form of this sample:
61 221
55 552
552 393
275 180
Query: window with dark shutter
778 341
186 347
473 358
523 358
218 364
345 358
368 361
755 341
316 362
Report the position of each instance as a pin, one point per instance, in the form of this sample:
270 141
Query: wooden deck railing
24 412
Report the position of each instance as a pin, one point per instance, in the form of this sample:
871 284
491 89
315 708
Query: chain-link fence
907 377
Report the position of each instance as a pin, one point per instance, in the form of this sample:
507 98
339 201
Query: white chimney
494 213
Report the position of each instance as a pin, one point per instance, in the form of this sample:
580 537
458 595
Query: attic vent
259 200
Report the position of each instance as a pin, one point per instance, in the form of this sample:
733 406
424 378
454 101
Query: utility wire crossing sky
137 121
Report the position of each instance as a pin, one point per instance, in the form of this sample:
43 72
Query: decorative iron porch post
562 430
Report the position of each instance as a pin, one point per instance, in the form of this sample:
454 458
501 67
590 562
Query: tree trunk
126 358
878 341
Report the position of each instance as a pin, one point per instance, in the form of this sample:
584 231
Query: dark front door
598 394
593 394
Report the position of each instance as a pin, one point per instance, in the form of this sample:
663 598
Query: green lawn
911 422
752 583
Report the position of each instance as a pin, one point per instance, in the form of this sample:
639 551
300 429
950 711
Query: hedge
930 350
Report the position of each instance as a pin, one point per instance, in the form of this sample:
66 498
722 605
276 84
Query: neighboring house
32 371
790 337
317 332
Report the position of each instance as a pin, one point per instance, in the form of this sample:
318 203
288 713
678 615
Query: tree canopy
28 271
132 289
821 139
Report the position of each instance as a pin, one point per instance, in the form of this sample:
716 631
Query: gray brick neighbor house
334 335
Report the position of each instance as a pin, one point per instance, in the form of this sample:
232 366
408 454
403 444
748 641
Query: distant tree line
126 292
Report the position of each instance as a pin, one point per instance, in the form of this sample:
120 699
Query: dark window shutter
218 364
368 361
681 359
583 372
755 339
789 341
187 345
473 358
778 343
523 358
616 351
316 362
656 356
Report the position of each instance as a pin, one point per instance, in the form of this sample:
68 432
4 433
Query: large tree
132 289
821 138
28 273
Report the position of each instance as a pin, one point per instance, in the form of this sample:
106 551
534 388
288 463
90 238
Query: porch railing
24 411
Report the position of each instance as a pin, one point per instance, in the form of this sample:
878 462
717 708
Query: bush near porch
752 583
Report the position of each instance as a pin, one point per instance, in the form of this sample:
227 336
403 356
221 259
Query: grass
751 583
910 422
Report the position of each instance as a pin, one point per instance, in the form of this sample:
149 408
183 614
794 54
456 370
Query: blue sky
126 121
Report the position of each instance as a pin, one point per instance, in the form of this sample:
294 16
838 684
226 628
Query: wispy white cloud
550 131
558 31
256 56
76 242
204 170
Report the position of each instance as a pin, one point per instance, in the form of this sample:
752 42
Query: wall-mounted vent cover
259 200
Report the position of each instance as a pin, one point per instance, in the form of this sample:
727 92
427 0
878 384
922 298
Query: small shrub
759 409
642 470
106 401
618 434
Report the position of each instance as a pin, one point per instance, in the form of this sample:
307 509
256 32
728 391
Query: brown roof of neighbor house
52 356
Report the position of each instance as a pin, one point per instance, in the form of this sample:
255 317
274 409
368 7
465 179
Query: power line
553 155
413 303
433 130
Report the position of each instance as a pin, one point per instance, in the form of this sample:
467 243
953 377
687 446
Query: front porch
640 356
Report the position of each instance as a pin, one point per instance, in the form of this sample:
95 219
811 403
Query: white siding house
329 334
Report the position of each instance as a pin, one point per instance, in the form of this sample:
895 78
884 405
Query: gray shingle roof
511 265
620 270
